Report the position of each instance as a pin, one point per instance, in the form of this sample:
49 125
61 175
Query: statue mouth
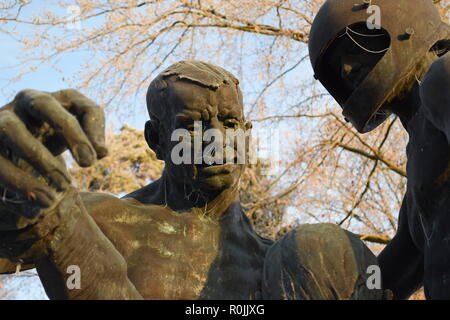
216 177
214 170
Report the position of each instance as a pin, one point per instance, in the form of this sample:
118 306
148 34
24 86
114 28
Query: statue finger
13 178
90 115
45 107
14 134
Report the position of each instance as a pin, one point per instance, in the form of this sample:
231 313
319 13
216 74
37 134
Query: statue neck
182 198
408 101
408 106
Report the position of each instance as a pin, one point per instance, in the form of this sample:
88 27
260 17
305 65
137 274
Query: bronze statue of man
184 236
398 65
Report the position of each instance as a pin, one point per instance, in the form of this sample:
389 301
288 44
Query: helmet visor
349 59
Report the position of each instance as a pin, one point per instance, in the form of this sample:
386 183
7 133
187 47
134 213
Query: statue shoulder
438 73
108 209
318 261
94 201
435 92
103 207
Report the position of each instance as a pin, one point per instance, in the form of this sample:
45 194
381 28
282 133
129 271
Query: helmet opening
350 57
441 47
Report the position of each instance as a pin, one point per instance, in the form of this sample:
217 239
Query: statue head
193 106
367 54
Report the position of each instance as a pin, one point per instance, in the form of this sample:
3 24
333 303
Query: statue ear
152 137
248 125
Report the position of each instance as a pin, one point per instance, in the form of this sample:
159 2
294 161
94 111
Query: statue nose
213 147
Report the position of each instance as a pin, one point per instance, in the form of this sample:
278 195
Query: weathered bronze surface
410 79
184 236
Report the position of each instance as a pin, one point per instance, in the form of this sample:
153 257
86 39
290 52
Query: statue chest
428 172
171 256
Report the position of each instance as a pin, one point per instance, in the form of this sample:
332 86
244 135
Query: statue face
220 110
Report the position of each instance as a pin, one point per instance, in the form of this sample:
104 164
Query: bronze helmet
414 28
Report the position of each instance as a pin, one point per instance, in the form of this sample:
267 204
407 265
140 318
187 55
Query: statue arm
43 220
319 262
77 241
79 246
435 94
7 266
401 262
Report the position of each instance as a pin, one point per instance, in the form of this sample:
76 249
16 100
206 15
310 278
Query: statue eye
192 126
231 123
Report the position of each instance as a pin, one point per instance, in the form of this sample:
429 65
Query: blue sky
45 77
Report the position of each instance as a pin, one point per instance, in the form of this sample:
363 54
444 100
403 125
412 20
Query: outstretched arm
42 218
79 243
401 262
435 94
